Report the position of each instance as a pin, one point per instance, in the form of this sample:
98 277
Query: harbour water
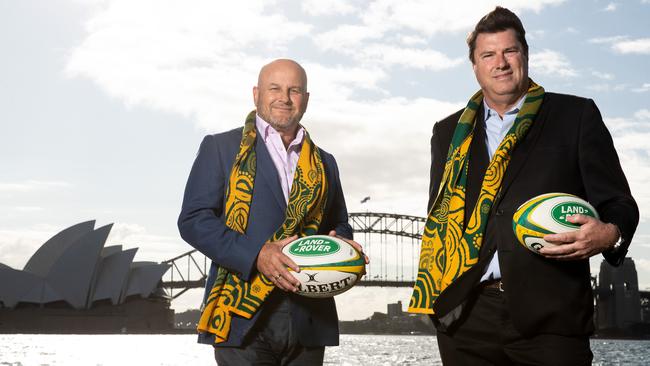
172 350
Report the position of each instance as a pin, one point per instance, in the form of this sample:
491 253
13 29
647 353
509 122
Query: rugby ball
328 265
547 214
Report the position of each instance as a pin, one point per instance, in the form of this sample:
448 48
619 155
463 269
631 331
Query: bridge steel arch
391 241
187 271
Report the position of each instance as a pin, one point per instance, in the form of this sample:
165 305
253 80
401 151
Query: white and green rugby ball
547 214
328 265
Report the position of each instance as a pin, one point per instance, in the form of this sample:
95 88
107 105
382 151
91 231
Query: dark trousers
486 336
272 342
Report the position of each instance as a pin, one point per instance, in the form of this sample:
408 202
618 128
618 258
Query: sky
103 103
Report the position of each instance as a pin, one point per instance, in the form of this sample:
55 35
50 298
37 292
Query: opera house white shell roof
73 266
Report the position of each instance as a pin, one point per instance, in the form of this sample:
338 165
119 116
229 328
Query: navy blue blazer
201 224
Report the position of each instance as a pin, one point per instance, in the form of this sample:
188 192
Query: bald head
281 95
282 63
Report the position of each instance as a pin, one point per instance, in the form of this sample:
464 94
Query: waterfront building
74 284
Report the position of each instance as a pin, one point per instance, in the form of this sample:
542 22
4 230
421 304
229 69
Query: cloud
32 186
412 40
602 75
332 7
332 85
605 87
152 246
373 161
642 264
17 246
536 34
631 136
363 44
420 19
429 18
642 114
89 3
346 36
201 62
625 45
610 7
28 209
121 232
197 61
551 63
426 59
612 39
642 89
636 46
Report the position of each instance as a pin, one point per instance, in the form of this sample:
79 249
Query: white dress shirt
496 129
284 159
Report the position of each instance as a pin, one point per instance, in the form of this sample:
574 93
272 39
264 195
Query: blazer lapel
267 171
478 163
523 149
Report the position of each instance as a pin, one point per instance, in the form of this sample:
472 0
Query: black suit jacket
201 223
568 149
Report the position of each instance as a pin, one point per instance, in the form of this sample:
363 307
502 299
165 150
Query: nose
502 62
285 97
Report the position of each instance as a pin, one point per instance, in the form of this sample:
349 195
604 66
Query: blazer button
499 212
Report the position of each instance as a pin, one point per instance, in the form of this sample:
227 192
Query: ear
255 95
305 101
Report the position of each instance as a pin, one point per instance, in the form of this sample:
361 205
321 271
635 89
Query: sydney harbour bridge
391 241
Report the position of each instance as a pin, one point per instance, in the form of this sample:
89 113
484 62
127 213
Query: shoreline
192 331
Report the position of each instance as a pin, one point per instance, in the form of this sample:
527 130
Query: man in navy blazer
287 329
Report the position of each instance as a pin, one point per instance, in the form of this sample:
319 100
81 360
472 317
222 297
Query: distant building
72 283
618 300
395 309
395 322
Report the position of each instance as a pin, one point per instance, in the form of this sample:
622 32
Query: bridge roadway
391 240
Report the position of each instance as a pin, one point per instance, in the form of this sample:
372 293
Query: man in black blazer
514 306
287 329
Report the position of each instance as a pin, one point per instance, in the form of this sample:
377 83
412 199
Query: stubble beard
285 124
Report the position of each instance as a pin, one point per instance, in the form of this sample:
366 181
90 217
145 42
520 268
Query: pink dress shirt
285 160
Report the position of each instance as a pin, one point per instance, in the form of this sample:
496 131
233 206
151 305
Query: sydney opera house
73 284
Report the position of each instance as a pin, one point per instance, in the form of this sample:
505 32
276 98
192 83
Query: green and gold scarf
231 295
449 249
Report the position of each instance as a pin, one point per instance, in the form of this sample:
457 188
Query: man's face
501 68
281 96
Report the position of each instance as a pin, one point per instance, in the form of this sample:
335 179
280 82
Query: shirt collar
514 110
267 130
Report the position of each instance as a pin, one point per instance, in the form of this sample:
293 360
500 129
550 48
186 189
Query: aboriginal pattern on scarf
230 295
448 248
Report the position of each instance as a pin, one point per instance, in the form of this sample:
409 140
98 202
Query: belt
493 284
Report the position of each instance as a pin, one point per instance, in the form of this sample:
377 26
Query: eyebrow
511 48
299 87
